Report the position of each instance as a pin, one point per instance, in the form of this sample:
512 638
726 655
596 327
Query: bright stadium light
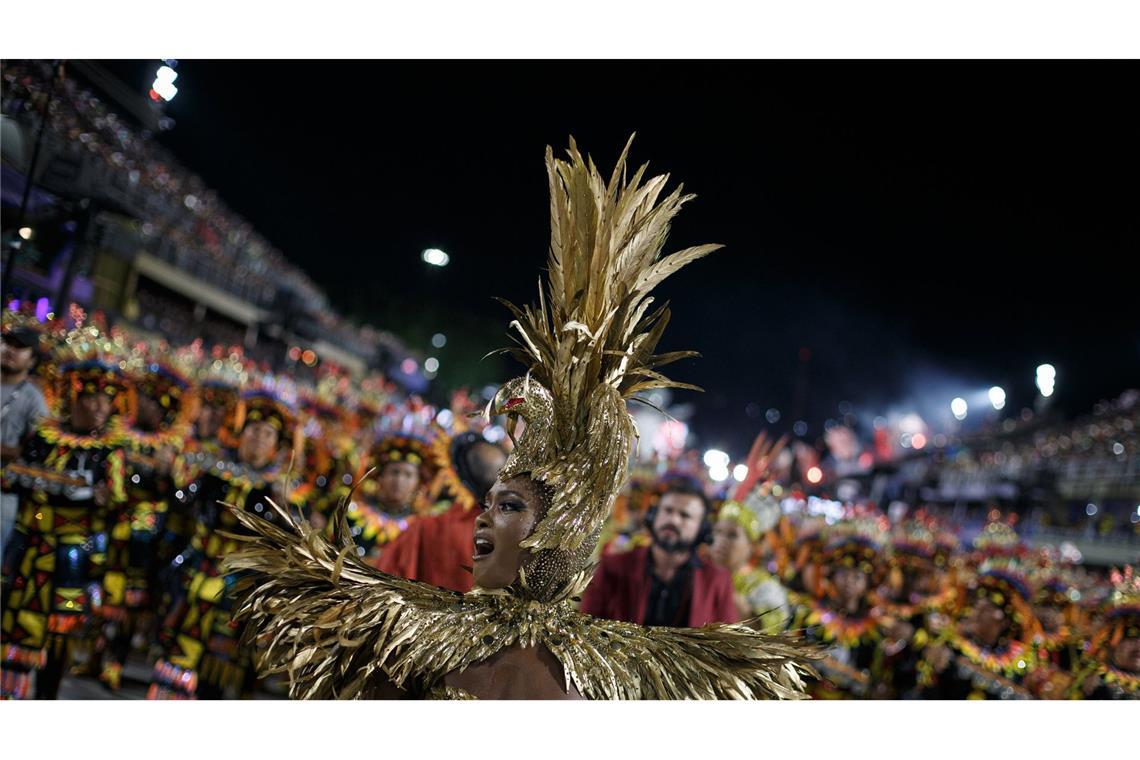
718 474
163 86
997 397
439 340
436 257
958 408
814 475
26 233
431 364
716 459
1046 379
740 472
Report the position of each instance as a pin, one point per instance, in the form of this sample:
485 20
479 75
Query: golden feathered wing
336 626
339 629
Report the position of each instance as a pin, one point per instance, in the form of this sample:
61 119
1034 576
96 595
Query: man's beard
673 546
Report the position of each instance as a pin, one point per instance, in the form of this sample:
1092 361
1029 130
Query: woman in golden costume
340 629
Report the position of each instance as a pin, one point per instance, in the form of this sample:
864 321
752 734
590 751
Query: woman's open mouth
483 548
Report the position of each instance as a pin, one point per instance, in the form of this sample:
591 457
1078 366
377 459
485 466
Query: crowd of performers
905 610
118 530
119 525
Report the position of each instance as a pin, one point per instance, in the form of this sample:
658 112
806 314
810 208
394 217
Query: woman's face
1126 655
149 414
850 585
508 515
398 484
1049 616
919 578
258 444
731 548
90 412
987 622
209 420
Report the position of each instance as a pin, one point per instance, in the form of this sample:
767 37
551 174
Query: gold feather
589 341
344 634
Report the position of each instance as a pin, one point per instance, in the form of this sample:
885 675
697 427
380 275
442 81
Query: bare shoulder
515 673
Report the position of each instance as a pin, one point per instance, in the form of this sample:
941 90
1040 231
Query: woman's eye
512 506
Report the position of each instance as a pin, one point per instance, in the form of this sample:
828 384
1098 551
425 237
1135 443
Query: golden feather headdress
589 347
340 628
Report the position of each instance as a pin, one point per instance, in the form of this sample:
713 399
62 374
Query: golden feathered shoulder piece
589 343
340 629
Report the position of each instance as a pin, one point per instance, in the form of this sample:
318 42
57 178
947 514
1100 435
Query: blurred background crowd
161 356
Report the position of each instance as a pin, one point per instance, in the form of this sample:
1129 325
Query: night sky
924 229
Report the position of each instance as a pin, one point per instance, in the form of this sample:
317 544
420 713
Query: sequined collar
139 440
52 431
1014 659
933 603
834 626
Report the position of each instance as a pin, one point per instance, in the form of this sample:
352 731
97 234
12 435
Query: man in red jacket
665 583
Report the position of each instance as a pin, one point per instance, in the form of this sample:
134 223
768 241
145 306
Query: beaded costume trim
51 430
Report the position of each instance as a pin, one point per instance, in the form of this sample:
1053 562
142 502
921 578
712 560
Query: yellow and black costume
68 483
203 656
154 470
854 660
996 670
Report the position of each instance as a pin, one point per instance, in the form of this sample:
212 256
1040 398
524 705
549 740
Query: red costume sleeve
435 550
401 557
